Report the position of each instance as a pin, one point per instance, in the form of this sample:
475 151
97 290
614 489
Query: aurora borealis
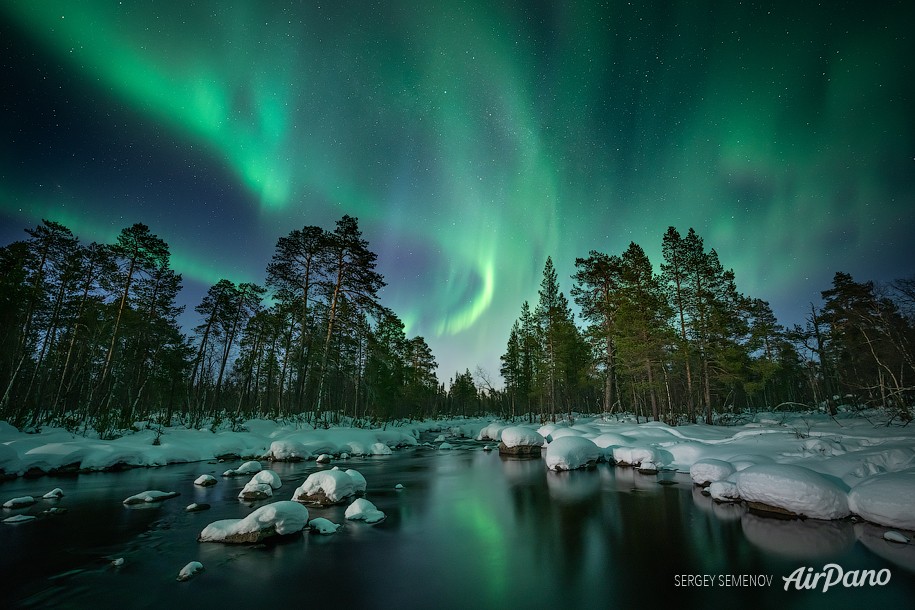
471 139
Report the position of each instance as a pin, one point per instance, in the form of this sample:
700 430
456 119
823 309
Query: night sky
471 139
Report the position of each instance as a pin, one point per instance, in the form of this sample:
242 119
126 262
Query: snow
446 446
19 502
724 491
894 536
324 526
359 483
285 516
205 480
255 490
571 452
19 519
874 461
267 477
709 470
334 484
246 468
794 488
363 510
887 499
150 496
518 436
190 570
54 494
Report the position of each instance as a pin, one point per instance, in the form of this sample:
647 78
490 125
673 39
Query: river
469 529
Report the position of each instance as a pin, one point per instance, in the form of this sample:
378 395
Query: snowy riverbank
808 464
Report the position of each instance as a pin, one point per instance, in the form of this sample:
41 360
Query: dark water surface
469 530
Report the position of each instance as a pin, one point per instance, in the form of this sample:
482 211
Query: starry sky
471 139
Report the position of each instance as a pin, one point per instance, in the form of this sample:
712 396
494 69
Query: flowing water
470 529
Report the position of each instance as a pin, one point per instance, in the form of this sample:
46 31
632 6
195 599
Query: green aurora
471 139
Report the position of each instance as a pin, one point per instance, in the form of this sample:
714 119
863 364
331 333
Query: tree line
89 336
685 344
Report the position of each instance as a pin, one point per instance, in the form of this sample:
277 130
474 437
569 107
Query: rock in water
894 536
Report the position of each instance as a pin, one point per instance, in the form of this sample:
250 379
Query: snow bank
325 487
709 470
571 452
794 488
887 499
282 518
518 436
363 510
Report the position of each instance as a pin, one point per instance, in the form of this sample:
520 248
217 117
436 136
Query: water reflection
469 529
802 539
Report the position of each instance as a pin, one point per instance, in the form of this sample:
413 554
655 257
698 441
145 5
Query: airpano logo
833 575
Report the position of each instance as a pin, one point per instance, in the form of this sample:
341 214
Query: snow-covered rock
363 510
324 458
794 489
709 470
152 495
380 449
519 436
446 446
571 452
196 507
205 480
635 455
279 518
19 519
894 536
20 502
359 483
325 487
246 468
255 490
887 499
189 571
54 494
320 525
724 491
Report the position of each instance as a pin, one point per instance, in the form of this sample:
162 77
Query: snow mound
571 452
794 488
150 496
518 436
611 439
325 486
492 432
246 468
709 470
887 499
324 526
54 494
380 449
288 451
254 490
363 510
562 432
284 518
634 456
19 519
